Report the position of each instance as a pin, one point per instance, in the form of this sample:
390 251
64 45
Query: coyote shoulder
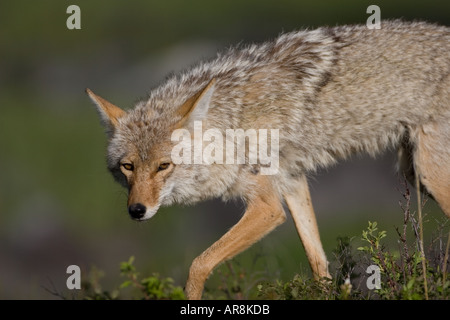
329 93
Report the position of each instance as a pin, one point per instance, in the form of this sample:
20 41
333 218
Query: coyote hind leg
405 165
432 161
300 206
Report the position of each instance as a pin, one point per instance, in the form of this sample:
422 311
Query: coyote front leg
263 214
299 203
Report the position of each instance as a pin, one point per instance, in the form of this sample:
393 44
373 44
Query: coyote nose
137 210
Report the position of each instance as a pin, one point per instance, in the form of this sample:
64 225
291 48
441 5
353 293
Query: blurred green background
59 205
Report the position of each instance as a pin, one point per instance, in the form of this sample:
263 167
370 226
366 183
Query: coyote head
139 151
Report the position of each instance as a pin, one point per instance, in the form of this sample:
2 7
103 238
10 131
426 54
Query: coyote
330 92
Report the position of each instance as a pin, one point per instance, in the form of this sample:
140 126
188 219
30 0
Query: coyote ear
196 107
109 113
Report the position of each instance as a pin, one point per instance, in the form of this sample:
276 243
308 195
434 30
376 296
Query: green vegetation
153 287
401 274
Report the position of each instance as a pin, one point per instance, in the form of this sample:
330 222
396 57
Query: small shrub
153 287
402 273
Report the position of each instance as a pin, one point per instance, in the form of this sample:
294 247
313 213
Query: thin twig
406 217
53 291
422 252
444 267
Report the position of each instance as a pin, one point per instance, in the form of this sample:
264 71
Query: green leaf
410 283
127 267
125 284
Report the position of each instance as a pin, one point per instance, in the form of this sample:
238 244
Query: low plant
407 273
153 287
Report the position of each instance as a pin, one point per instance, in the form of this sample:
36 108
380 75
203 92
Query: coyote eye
128 166
163 166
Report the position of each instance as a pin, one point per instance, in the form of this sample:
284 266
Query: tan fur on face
144 188
145 181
